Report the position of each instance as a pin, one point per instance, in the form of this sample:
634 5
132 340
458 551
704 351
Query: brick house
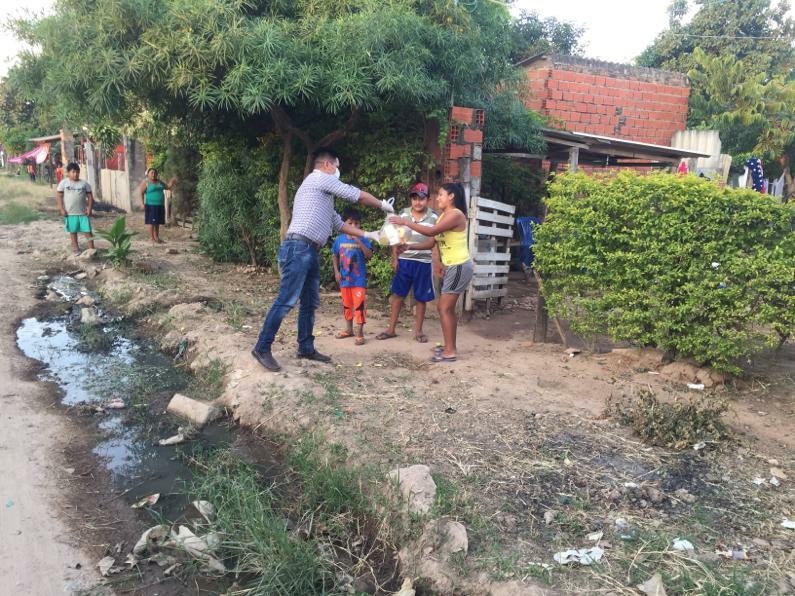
602 98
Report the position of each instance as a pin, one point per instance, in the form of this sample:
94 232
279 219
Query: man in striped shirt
313 221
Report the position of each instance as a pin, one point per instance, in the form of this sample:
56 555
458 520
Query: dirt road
38 555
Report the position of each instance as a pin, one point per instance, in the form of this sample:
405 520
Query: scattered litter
684 495
775 481
699 446
567 462
595 536
696 386
652 372
682 544
450 410
107 566
131 561
162 559
183 346
151 540
116 404
779 473
146 501
199 547
715 264
407 589
549 516
572 352
759 481
182 435
790 525
737 553
653 586
206 509
630 485
623 530
583 556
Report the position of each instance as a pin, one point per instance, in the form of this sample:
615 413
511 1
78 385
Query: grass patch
306 533
16 213
208 380
160 280
120 297
268 557
235 314
678 425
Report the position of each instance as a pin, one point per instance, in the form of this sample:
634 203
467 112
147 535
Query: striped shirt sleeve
333 186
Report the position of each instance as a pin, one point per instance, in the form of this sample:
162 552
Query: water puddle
95 364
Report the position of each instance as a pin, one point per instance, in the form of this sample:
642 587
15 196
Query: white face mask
337 173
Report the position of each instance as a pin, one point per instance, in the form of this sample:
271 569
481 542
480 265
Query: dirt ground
515 432
39 554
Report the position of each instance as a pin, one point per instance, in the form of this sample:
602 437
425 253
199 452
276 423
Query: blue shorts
414 274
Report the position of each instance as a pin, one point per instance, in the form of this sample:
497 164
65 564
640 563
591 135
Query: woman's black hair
152 170
459 195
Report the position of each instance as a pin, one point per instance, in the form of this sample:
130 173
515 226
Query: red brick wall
626 102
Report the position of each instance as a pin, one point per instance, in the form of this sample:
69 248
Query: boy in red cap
413 268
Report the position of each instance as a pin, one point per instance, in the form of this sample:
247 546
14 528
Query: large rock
198 413
416 486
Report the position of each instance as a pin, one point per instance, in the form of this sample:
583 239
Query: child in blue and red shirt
349 255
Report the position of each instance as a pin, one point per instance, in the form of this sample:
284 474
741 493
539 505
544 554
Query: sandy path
38 554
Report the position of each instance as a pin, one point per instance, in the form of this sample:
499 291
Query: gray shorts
457 277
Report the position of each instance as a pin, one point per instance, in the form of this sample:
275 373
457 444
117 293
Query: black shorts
155 214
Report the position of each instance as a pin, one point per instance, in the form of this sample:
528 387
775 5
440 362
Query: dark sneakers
266 360
316 356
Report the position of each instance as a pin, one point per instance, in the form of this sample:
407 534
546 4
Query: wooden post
472 207
574 158
542 318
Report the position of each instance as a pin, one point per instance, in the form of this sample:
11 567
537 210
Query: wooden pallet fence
490 235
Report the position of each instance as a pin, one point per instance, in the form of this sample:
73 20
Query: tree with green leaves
18 119
758 32
754 114
531 34
305 70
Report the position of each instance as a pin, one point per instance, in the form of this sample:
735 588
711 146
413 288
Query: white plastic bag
390 234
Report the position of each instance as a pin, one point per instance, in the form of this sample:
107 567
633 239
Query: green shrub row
670 261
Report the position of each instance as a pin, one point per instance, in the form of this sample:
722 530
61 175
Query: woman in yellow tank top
448 239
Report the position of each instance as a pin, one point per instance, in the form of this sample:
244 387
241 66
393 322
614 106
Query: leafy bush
670 261
678 425
120 240
238 210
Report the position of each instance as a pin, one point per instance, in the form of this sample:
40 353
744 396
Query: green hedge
670 261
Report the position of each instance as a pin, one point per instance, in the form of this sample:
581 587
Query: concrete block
198 413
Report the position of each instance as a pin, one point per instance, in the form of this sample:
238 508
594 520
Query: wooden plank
495 217
483 294
492 231
492 256
490 281
489 204
481 269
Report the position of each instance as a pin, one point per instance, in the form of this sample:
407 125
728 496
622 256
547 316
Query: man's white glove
374 236
387 206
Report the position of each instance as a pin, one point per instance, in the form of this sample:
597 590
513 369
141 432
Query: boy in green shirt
75 202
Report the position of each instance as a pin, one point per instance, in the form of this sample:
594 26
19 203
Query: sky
615 30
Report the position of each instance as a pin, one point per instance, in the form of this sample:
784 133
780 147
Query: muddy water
134 371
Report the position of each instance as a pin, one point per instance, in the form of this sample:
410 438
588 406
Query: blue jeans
300 270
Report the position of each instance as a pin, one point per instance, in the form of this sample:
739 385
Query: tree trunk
248 239
789 184
284 179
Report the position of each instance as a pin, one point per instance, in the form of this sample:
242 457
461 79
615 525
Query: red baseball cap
419 189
